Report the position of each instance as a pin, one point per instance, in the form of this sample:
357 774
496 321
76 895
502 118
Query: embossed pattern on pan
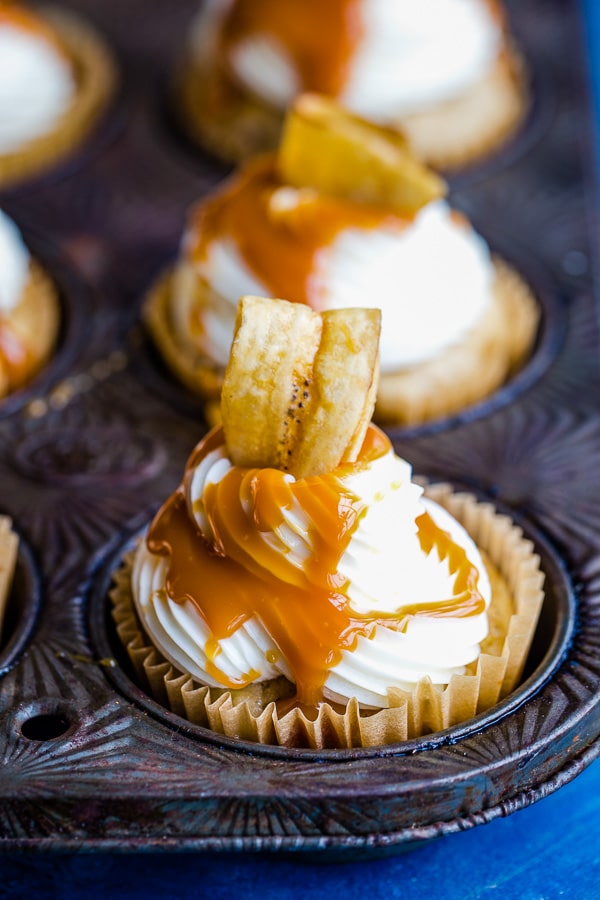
99 442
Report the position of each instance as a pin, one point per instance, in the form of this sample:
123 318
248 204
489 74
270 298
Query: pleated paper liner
95 79
9 545
235 125
260 714
464 374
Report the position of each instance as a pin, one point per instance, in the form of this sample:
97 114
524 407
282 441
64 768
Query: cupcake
29 311
444 71
299 588
56 78
344 215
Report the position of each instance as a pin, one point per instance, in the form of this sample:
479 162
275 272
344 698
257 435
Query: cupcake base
235 126
95 78
28 332
267 714
468 129
9 545
466 373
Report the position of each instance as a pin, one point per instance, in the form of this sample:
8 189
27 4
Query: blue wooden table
551 849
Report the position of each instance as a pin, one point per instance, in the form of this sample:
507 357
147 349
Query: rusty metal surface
89 451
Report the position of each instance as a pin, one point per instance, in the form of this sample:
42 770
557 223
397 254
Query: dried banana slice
300 386
327 148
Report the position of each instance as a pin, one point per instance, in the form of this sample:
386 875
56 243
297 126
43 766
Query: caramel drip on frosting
18 17
239 575
15 358
320 36
278 231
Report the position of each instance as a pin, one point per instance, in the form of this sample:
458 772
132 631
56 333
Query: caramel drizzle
16 360
320 37
25 20
279 245
239 576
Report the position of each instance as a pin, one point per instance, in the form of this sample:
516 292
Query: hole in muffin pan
73 296
21 609
45 720
45 727
550 645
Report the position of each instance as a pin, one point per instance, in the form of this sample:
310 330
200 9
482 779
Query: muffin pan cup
99 440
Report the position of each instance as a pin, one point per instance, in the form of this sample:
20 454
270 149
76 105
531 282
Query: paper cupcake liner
254 714
464 374
9 545
235 125
472 369
34 322
95 76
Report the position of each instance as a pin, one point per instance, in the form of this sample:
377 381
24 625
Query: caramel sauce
239 575
279 243
320 37
21 18
497 13
15 358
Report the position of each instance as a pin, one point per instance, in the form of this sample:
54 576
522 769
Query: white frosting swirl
14 264
384 569
36 87
410 56
432 281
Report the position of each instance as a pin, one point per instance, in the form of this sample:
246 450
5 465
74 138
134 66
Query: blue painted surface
549 850
591 10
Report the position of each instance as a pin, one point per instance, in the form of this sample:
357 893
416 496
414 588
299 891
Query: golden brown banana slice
300 386
327 148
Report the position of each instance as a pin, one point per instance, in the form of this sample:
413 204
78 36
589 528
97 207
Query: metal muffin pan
91 448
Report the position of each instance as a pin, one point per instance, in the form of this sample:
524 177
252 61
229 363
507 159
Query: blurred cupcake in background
56 80
29 311
445 71
345 216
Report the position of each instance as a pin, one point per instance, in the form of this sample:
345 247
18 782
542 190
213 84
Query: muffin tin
90 449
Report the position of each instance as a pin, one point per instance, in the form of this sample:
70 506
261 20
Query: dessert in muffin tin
345 215
299 588
57 78
444 71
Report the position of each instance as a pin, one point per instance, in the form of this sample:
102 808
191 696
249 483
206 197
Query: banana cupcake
342 216
444 71
298 588
56 80
29 311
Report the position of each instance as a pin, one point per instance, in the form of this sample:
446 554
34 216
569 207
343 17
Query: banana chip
327 148
300 386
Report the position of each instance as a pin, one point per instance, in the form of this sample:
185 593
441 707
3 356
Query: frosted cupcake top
36 81
297 543
343 216
348 583
380 59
